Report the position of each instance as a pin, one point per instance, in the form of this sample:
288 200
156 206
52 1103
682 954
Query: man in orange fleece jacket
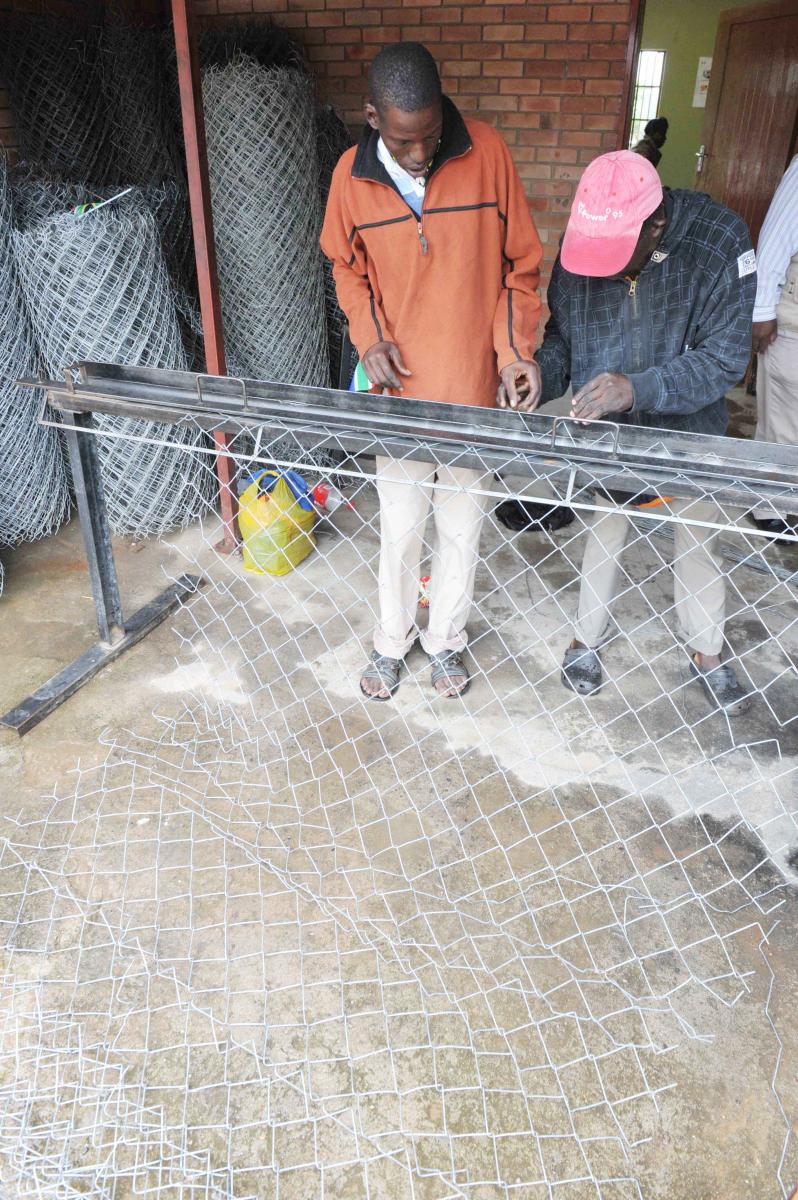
436 263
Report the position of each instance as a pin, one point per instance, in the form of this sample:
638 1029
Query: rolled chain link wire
267 219
97 287
34 497
140 107
50 68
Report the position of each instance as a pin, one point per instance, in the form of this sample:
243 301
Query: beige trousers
777 371
407 490
777 376
698 584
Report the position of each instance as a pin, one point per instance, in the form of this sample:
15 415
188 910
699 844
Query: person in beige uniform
775 330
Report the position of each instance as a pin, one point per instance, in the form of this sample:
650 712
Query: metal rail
618 455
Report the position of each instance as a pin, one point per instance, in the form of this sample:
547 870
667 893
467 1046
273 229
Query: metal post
199 192
86 477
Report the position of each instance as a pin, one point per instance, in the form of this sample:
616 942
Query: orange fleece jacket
467 307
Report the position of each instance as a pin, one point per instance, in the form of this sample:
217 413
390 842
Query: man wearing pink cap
651 300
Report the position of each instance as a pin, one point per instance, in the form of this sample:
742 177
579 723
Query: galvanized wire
38 196
97 287
267 218
140 107
286 941
268 44
332 139
50 67
34 497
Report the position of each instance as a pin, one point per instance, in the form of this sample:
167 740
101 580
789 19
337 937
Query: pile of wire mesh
50 67
34 497
95 108
267 218
140 101
332 139
97 287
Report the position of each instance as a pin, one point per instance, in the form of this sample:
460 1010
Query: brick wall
549 76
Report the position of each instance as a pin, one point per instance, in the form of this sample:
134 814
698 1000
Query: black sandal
385 669
449 666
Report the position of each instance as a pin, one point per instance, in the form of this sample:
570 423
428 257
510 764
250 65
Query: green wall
684 29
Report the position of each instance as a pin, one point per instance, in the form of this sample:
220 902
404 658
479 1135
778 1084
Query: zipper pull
422 239
632 286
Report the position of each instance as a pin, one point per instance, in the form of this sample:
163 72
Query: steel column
86 477
199 191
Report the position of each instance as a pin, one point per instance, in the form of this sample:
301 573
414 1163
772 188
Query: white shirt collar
402 178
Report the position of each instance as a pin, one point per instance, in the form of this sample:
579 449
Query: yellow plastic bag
275 517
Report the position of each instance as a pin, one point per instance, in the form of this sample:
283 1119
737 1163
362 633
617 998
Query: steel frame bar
117 634
199 192
85 464
27 714
735 470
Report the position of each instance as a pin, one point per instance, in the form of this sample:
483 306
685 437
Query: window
648 84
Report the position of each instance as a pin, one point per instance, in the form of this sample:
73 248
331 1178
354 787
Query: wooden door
752 108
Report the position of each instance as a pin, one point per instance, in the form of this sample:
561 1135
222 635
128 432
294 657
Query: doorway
745 119
749 130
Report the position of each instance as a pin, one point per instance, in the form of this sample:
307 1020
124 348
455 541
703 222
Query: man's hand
383 364
520 386
763 334
607 393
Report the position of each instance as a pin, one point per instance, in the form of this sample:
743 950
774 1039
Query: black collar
455 141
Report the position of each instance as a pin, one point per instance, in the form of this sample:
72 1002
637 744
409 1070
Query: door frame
727 19
636 16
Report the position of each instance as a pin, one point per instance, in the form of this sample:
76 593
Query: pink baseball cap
615 195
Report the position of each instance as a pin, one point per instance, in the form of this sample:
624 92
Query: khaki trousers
777 376
407 490
777 371
699 585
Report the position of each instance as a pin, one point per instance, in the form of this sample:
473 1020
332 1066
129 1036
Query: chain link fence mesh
267 220
299 944
49 65
38 196
97 287
34 497
332 139
141 101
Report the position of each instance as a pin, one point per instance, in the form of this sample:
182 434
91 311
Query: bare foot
707 662
449 675
374 687
381 678
451 685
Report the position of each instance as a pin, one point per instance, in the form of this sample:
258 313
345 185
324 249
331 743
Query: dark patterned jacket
682 332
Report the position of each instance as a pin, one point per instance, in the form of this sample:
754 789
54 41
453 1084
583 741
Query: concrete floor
260 939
